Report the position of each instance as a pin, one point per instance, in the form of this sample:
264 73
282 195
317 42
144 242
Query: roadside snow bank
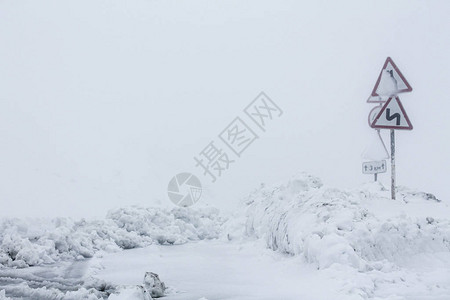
354 228
26 243
379 248
3 295
24 291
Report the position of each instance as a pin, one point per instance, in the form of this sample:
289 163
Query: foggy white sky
102 102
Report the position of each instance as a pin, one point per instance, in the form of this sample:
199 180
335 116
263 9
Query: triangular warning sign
390 82
392 116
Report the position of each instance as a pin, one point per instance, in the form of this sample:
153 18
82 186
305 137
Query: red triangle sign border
374 91
409 127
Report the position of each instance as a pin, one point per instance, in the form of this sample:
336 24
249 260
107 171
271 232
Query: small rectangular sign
374 167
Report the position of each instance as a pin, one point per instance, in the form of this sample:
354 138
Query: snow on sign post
374 167
390 115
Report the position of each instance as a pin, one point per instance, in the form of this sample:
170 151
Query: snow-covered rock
154 286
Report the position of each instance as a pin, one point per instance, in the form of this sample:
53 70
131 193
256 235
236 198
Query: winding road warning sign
392 116
390 82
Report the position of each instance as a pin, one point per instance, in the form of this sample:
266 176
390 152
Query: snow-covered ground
220 270
53 259
26 243
382 248
295 240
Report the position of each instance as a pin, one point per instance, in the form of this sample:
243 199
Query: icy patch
25 292
131 293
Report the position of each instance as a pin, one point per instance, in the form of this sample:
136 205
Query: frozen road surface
217 270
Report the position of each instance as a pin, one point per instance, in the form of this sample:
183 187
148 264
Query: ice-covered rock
154 286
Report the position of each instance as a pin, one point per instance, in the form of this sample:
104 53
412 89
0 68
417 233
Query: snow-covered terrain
380 247
295 240
352 228
50 259
35 242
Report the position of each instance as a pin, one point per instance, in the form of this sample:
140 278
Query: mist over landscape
216 150
102 102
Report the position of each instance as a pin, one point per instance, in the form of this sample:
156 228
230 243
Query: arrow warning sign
390 82
392 116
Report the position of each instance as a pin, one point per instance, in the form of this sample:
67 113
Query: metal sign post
391 115
393 164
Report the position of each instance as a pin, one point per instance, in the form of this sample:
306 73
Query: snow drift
35 242
379 248
328 226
